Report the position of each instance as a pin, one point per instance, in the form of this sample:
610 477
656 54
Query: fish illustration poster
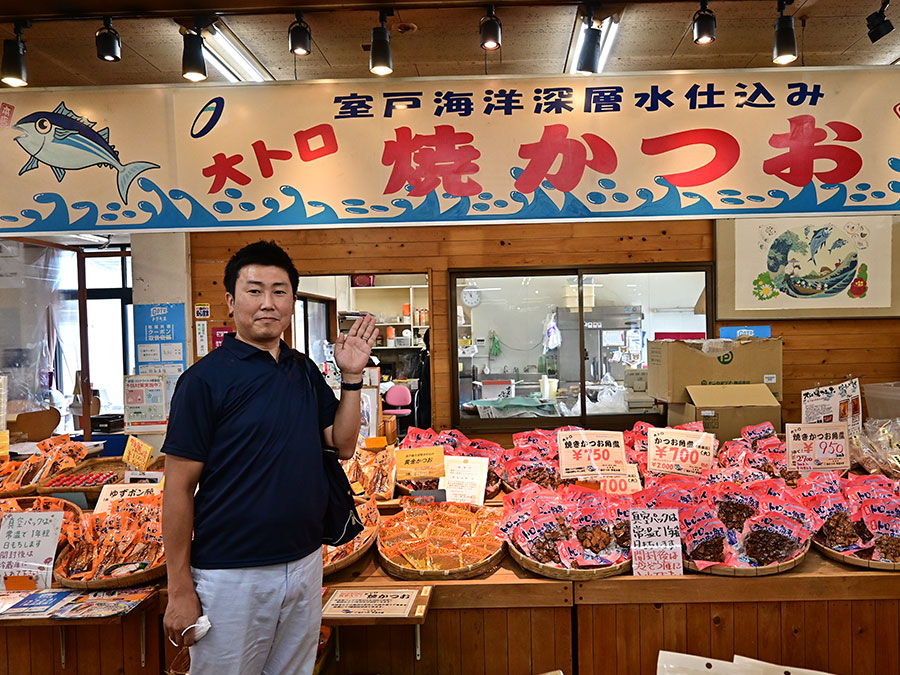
706 144
816 263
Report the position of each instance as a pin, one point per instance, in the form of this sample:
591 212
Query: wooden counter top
816 578
508 586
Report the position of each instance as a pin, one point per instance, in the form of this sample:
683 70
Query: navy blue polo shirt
256 425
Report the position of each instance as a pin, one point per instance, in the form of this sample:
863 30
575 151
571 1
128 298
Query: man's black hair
266 253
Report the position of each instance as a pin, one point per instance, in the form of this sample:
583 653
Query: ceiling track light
193 64
109 44
13 71
490 28
878 23
299 36
784 50
592 43
704 24
380 60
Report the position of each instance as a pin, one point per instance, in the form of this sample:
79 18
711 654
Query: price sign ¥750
587 453
817 447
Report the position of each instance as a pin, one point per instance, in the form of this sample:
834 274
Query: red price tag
676 451
587 453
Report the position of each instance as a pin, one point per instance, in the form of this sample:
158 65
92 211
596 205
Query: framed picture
807 268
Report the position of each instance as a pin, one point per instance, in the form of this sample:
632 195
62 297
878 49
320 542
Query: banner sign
704 144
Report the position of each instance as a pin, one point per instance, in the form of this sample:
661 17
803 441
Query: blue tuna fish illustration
818 240
837 244
65 141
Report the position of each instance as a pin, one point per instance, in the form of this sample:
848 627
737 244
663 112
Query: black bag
341 522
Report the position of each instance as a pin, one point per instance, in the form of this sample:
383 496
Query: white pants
265 620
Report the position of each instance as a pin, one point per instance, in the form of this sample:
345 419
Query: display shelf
386 288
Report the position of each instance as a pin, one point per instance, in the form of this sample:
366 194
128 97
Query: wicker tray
27 502
568 574
23 491
94 466
766 570
353 557
853 560
467 572
137 579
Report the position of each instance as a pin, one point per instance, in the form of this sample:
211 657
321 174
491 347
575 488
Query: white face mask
201 628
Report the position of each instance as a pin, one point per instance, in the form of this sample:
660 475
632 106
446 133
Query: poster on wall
145 403
160 342
834 403
681 144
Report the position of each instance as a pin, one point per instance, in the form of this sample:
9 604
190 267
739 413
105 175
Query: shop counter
821 615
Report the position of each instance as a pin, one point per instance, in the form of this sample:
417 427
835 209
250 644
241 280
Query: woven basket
467 572
137 579
567 574
853 560
766 570
100 464
356 555
64 505
488 494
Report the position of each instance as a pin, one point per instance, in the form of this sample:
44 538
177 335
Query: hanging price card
413 463
137 453
587 453
677 451
817 447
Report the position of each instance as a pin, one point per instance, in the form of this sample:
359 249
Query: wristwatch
352 386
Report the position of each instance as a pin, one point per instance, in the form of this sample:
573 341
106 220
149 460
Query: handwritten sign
655 542
413 463
137 453
464 479
678 451
110 493
833 404
620 485
370 603
4 443
817 447
587 453
28 545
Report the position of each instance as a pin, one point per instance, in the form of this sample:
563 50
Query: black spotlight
13 71
380 60
109 45
193 65
784 50
704 24
490 30
589 57
299 36
878 24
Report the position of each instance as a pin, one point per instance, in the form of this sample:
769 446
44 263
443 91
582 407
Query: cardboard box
726 409
673 365
636 379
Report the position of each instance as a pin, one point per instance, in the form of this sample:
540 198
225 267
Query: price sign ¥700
678 451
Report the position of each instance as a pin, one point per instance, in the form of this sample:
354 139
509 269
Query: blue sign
734 332
160 342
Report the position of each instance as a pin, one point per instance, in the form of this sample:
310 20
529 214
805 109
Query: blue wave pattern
161 209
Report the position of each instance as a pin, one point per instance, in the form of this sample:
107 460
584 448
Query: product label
587 453
817 447
137 453
676 451
413 463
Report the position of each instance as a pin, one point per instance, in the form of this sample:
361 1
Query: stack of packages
572 527
53 455
375 471
439 536
368 514
876 450
126 539
455 443
534 457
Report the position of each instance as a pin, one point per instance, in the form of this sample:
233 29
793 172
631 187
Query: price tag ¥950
677 451
817 447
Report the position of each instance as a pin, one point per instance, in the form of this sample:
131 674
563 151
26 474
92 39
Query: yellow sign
415 463
137 453
376 443
4 443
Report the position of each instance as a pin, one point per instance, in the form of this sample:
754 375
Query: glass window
569 344
106 352
103 272
310 327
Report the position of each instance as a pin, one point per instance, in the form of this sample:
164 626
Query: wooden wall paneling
816 631
518 622
698 629
768 631
675 627
862 614
18 641
605 652
87 657
471 641
4 659
403 649
628 639
721 638
380 650
543 641
887 637
584 638
354 644
41 656
448 642
428 638
652 635
793 634
564 633
839 637
496 657
746 641
131 636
